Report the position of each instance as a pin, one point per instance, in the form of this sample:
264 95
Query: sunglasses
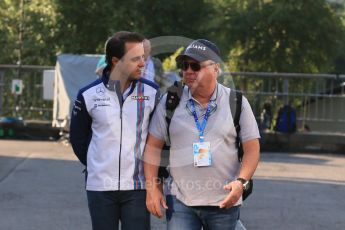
194 66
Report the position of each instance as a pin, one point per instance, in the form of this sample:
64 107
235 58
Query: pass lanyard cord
200 128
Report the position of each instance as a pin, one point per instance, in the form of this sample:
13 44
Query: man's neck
124 81
203 95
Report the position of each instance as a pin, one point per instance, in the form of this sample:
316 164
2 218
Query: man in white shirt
108 131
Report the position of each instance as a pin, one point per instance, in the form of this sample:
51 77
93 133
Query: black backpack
174 94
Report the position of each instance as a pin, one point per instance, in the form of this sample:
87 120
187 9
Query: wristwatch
245 183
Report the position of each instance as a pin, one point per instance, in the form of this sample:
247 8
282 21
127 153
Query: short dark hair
115 45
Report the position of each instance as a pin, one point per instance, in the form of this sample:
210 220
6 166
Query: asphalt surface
42 187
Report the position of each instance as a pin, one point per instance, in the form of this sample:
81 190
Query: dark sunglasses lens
185 66
194 66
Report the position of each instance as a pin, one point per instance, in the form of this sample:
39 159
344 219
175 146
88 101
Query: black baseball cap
200 50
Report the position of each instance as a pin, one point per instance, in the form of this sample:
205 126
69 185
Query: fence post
2 73
286 91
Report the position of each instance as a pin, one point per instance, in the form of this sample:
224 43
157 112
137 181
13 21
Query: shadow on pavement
37 193
294 205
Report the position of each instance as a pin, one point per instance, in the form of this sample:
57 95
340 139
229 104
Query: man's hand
250 161
154 187
236 190
155 200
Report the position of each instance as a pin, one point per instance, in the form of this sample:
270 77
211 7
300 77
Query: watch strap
243 181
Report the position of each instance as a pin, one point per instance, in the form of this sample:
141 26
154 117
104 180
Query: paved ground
41 187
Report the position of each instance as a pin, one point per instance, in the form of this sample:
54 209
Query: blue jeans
108 207
182 217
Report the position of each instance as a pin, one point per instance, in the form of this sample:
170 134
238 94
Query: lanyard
200 128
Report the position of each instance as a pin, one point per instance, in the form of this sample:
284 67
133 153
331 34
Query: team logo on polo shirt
140 98
100 90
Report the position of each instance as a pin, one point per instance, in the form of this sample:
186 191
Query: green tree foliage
9 31
37 23
339 63
84 25
257 35
181 18
187 18
279 35
39 33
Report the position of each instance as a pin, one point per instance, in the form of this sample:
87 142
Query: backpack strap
174 93
173 99
235 101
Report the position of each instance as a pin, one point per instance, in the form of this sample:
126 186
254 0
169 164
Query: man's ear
217 68
114 61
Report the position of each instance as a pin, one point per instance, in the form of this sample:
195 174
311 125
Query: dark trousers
107 208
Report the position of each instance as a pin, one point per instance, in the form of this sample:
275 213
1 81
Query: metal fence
25 102
319 99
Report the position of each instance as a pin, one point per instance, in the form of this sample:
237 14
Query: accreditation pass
202 154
